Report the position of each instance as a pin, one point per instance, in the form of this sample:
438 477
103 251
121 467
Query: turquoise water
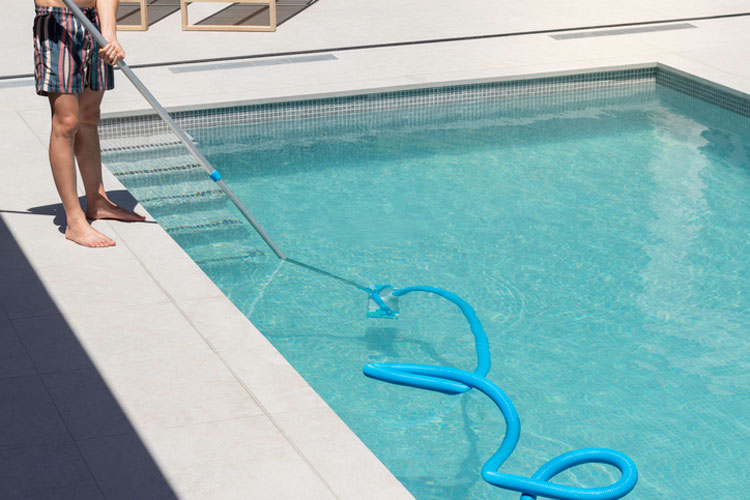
602 240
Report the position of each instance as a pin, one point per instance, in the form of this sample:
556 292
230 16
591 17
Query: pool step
143 143
161 175
192 209
218 242
220 253
205 200
206 235
137 174
205 227
182 197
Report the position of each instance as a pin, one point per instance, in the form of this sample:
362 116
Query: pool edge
674 68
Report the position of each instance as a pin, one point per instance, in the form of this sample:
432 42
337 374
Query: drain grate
16 83
624 31
252 63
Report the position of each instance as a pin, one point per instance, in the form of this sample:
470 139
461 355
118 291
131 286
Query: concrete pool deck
125 373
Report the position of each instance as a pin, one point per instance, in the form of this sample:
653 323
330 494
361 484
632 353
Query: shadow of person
54 210
120 197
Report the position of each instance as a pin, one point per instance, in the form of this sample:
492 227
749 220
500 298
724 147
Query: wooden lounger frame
186 26
144 18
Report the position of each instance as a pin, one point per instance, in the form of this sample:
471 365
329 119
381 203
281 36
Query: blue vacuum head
382 303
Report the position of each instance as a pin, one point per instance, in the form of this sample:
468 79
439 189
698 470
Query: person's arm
113 51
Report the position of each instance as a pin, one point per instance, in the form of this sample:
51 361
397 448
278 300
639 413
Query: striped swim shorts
66 57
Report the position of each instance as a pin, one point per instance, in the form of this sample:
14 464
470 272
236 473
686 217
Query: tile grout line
242 384
57 409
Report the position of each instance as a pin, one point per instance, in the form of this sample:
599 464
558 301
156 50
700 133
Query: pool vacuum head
382 303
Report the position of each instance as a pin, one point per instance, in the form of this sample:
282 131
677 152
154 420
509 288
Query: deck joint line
415 42
441 40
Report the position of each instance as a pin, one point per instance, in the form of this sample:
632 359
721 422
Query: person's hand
112 52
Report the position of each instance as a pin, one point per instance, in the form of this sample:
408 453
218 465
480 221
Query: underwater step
135 163
206 227
180 197
230 261
141 143
227 251
182 189
160 175
208 233
205 200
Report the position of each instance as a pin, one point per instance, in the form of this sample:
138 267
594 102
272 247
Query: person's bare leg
88 154
64 128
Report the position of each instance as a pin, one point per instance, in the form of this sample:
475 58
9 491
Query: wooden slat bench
143 26
229 27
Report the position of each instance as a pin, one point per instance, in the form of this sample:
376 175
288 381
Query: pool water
602 240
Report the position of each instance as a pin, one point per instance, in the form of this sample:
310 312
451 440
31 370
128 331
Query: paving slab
14 361
323 437
34 420
86 404
53 471
249 453
51 343
124 469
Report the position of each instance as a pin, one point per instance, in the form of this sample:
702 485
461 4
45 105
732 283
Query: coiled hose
455 381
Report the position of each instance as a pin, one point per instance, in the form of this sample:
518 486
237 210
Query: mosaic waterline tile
149 131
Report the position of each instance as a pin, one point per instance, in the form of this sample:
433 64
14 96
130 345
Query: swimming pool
600 235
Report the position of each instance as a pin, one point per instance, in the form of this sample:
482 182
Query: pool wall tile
150 132
723 97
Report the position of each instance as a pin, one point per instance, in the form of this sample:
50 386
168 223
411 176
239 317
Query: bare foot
83 234
105 209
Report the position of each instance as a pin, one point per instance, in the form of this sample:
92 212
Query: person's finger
107 58
104 56
111 51
116 52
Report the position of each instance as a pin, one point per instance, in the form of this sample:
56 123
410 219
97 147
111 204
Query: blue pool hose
435 378
455 381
